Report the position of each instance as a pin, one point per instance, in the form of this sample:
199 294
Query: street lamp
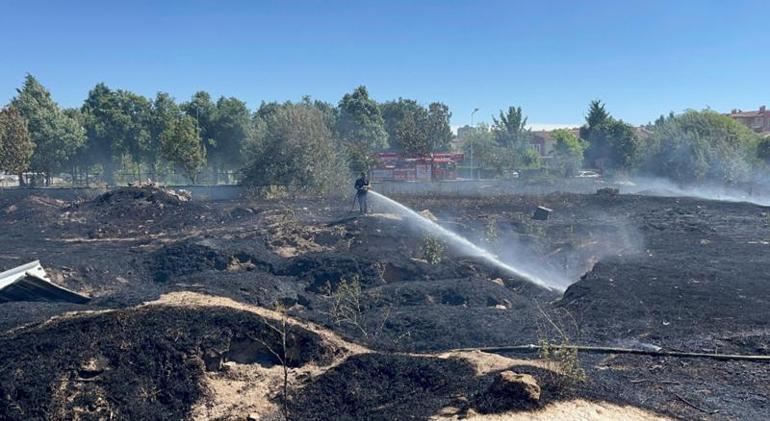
472 142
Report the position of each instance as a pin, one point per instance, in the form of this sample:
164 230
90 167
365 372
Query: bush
294 149
567 153
701 146
566 359
763 150
432 250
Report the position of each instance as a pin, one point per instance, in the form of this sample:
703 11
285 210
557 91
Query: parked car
587 174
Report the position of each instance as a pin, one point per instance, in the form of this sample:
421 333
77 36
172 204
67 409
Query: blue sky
642 58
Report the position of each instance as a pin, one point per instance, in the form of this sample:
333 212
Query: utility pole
472 142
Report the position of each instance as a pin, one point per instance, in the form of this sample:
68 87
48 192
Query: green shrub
432 250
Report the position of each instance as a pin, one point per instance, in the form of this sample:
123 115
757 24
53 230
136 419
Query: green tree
597 114
613 145
361 128
360 120
763 150
394 114
117 126
165 111
512 149
293 147
182 146
701 145
16 145
567 153
203 110
439 132
230 129
411 132
510 129
329 111
56 136
487 154
414 129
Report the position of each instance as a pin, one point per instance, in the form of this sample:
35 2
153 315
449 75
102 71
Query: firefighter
362 186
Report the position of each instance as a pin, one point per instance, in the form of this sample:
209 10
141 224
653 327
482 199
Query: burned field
191 301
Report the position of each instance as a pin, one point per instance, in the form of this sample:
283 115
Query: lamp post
472 142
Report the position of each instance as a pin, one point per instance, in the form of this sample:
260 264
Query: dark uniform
362 186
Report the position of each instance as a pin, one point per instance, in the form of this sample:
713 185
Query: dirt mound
136 196
129 211
143 363
376 386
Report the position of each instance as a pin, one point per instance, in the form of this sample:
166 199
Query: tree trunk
109 173
22 182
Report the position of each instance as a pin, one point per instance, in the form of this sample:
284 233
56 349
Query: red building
392 166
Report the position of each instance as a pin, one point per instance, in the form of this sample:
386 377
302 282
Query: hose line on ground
614 350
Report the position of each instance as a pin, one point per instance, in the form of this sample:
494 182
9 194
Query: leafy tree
165 112
77 162
701 145
411 132
512 149
230 128
293 148
329 111
266 109
597 114
16 145
439 132
361 128
360 120
416 130
56 136
181 145
567 153
117 125
394 113
510 129
487 154
613 145
763 150
203 110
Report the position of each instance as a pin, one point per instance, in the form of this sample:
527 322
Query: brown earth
676 273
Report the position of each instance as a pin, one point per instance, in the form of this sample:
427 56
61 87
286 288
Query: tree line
117 132
309 144
691 147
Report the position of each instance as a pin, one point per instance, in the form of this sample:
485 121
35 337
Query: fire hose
616 350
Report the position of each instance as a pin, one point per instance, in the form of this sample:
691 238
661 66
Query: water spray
462 243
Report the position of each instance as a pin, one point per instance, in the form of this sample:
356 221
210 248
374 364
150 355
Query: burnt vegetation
635 283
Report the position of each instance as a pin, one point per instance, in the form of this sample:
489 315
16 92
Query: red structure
392 166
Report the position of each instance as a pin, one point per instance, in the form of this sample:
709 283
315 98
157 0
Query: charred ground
678 273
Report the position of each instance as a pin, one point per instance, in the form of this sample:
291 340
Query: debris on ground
425 213
608 191
542 213
30 282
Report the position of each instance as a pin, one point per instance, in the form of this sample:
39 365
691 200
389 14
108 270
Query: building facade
758 120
